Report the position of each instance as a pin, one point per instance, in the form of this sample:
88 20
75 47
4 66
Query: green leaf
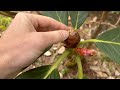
39 73
78 18
110 49
61 16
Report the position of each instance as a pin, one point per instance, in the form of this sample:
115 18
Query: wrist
6 69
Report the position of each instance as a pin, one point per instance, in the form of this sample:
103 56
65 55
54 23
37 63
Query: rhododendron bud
72 40
85 52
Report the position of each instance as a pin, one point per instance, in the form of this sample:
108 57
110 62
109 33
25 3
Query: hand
25 39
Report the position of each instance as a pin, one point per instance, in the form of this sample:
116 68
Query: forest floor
95 67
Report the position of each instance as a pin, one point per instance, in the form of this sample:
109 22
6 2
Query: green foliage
4 22
39 73
61 16
110 49
78 18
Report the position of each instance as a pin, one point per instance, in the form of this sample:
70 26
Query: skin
25 39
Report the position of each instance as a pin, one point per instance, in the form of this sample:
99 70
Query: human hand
25 39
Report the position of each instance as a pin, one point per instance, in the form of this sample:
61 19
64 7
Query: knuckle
20 15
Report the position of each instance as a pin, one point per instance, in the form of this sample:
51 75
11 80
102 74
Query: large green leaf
61 16
39 73
78 18
111 50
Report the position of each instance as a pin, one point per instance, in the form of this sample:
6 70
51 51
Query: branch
117 21
99 29
8 13
108 24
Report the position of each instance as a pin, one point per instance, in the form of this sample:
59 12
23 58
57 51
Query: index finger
46 23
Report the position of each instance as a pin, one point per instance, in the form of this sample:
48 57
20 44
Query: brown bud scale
72 40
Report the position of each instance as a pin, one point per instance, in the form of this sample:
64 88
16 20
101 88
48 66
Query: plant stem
57 62
79 64
96 40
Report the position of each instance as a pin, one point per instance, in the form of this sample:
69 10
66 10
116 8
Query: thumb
52 37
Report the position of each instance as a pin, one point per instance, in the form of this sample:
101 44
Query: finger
48 23
49 38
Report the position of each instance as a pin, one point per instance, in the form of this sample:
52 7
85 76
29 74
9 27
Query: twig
117 21
8 13
98 30
108 24
39 12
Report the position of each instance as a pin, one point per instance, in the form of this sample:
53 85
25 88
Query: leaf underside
39 73
61 16
111 50
78 18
